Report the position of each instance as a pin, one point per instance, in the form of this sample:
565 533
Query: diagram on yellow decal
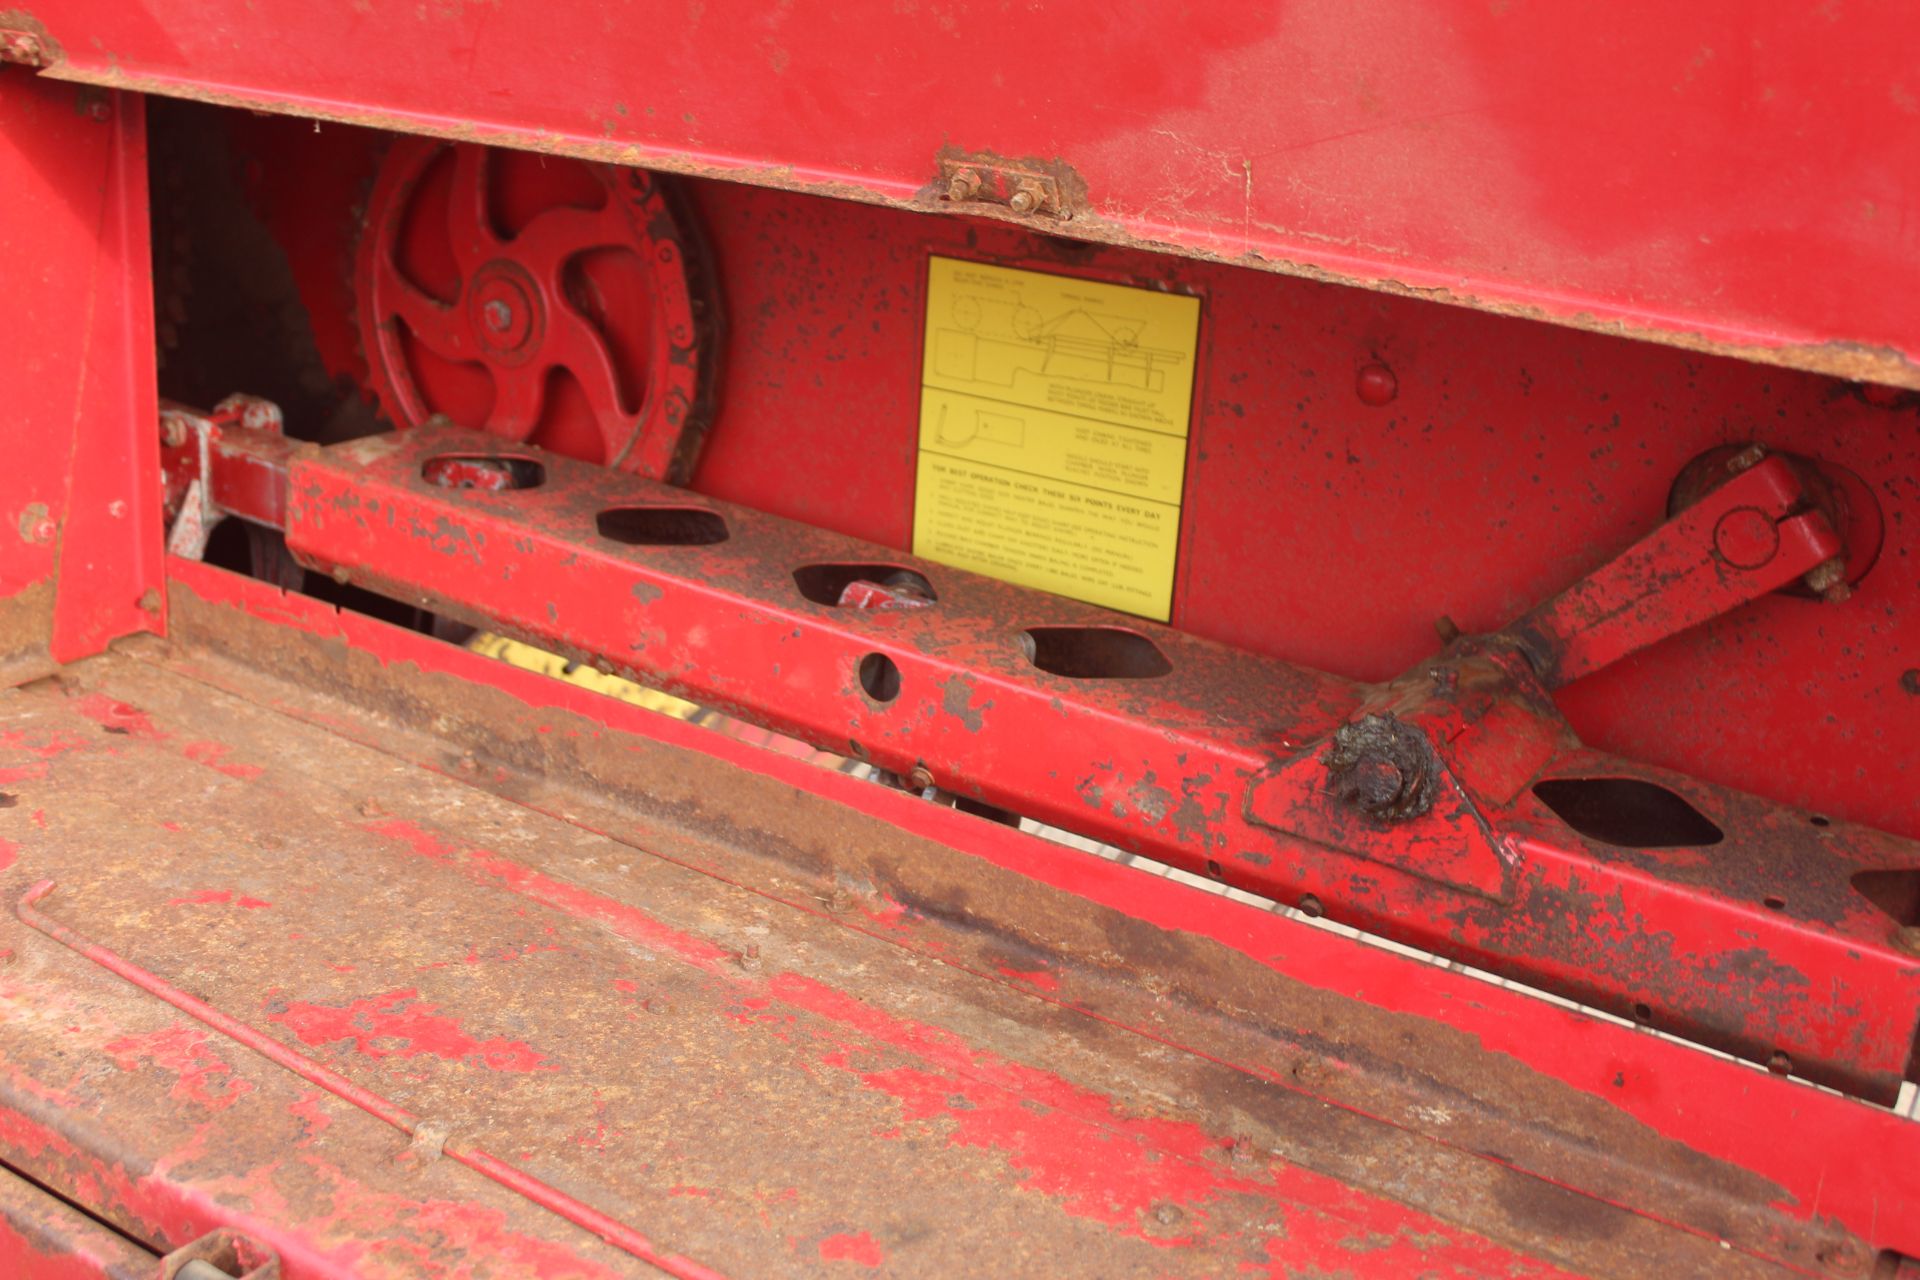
1054 417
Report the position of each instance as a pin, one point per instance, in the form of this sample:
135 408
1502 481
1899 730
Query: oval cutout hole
880 677
827 583
496 473
661 526
1094 653
1895 892
1627 812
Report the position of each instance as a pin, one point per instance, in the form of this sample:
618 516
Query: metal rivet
1375 384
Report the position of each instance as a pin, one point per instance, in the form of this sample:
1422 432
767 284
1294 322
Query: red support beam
80 495
1163 744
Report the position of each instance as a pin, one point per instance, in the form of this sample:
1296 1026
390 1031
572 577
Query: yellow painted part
552 664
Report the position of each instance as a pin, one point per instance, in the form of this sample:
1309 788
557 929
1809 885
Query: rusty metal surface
1213 760
44 1238
1464 1064
937 996
832 1044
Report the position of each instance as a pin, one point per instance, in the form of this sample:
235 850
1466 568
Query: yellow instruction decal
1053 432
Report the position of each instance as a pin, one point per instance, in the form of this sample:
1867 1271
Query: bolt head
1382 767
920 779
1025 200
499 316
963 185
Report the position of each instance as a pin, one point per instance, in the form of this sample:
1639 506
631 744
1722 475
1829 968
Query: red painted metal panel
79 501
1719 175
44 1238
1327 531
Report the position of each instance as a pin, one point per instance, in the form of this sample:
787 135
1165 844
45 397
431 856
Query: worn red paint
44 1238
398 1024
9 851
856 1246
1141 1176
486 866
191 1205
46 746
118 716
201 1075
218 897
1813 1151
311 1110
1041 1125
1039 978
211 753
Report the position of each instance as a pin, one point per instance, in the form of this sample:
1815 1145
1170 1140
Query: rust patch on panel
26 627
870 876
24 40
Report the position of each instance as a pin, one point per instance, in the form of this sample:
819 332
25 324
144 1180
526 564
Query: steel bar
1163 744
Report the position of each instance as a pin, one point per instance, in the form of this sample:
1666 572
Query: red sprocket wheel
540 299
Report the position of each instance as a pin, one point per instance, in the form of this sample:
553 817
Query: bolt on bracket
1021 191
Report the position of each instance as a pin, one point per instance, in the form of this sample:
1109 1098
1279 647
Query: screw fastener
1026 198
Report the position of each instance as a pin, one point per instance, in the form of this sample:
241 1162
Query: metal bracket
1021 191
